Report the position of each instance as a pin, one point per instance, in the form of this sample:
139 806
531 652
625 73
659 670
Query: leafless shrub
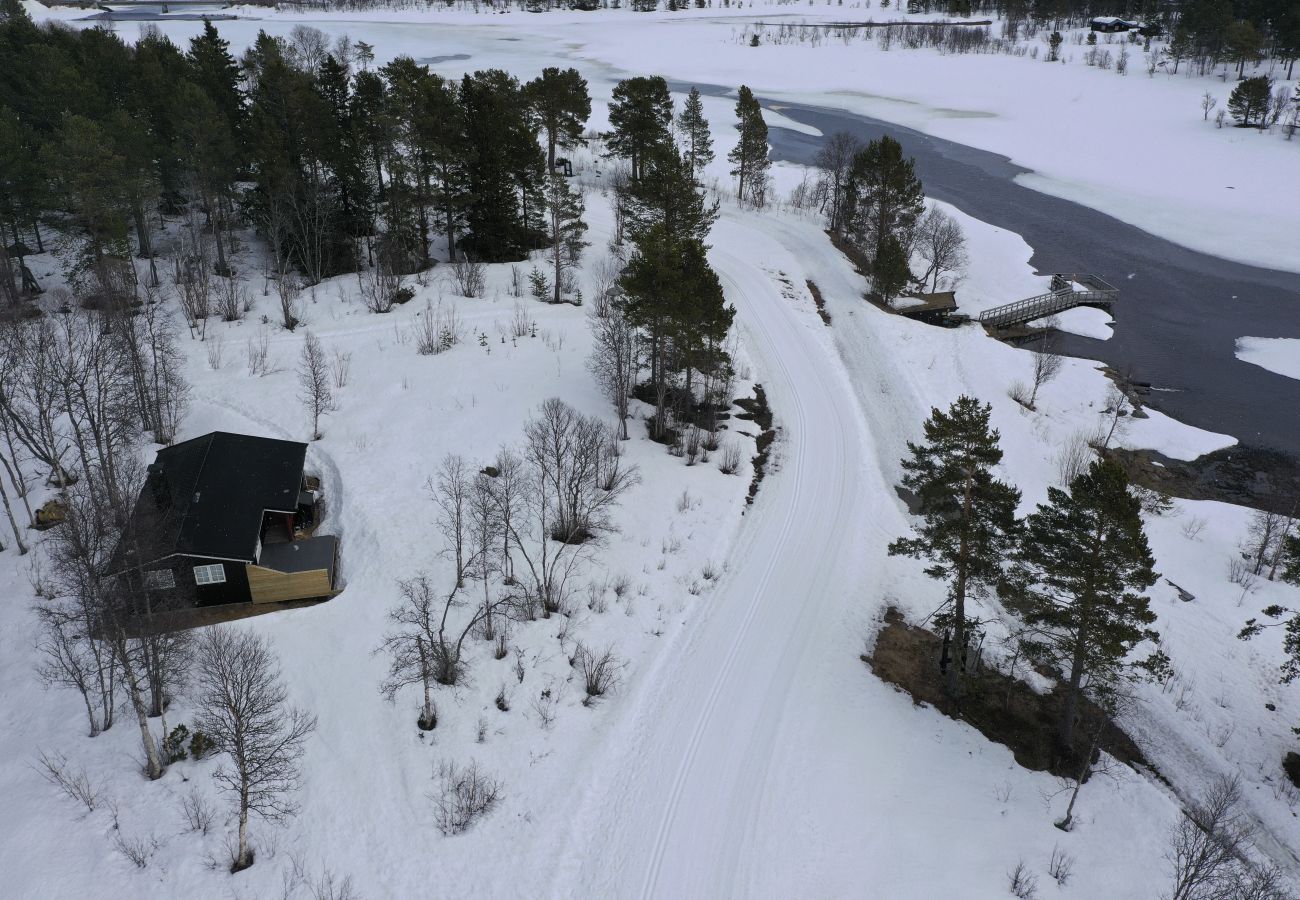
1022 883
328 886
198 812
503 699
138 850
257 350
620 586
596 601
1240 572
1074 457
462 795
1193 527
438 329
469 275
233 299
1060 866
502 645
1208 844
215 350
521 324
600 671
341 368
73 782
691 444
1019 392
544 706
684 502
288 288
729 461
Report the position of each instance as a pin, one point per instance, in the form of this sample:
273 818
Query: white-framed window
160 579
213 574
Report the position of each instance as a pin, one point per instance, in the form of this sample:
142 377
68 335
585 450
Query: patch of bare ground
819 300
757 411
1003 709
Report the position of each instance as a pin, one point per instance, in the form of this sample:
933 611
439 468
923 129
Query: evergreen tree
641 115
889 270
749 157
216 72
886 200
668 195
968 516
1077 580
505 169
1248 102
565 230
560 101
91 181
694 129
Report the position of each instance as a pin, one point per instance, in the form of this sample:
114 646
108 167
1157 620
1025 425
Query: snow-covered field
1280 355
747 751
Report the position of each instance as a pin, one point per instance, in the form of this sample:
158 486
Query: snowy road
714 786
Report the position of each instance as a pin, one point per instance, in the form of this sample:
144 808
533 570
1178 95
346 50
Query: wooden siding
269 586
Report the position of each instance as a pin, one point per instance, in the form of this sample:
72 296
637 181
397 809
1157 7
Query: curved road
701 781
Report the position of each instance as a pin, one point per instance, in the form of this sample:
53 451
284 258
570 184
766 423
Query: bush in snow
462 795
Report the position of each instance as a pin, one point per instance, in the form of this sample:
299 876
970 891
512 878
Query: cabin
230 518
1109 24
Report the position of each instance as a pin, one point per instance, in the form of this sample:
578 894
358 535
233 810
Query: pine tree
694 129
968 516
749 156
562 105
1248 102
641 115
887 199
565 230
1077 580
667 194
216 72
889 270
505 169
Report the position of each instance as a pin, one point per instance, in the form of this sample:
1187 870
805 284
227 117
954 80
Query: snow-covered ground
1280 355
747 752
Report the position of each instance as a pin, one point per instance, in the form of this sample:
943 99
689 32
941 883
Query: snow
748 752
1082 320
1280 355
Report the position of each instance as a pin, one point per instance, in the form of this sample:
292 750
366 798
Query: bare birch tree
613 359
314 382
941 243
243 707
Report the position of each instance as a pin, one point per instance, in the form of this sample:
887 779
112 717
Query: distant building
227 518
1111 24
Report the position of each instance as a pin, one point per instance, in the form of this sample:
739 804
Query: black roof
206 496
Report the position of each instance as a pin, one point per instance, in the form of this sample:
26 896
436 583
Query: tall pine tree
886 197
641 115
697 142
1078 579
968 516
749 157
560 101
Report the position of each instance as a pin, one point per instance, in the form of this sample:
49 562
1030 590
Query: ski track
696 795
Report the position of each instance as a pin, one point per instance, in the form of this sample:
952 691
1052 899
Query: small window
213 574
160 579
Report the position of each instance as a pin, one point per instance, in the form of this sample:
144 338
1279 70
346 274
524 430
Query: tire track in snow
706 713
